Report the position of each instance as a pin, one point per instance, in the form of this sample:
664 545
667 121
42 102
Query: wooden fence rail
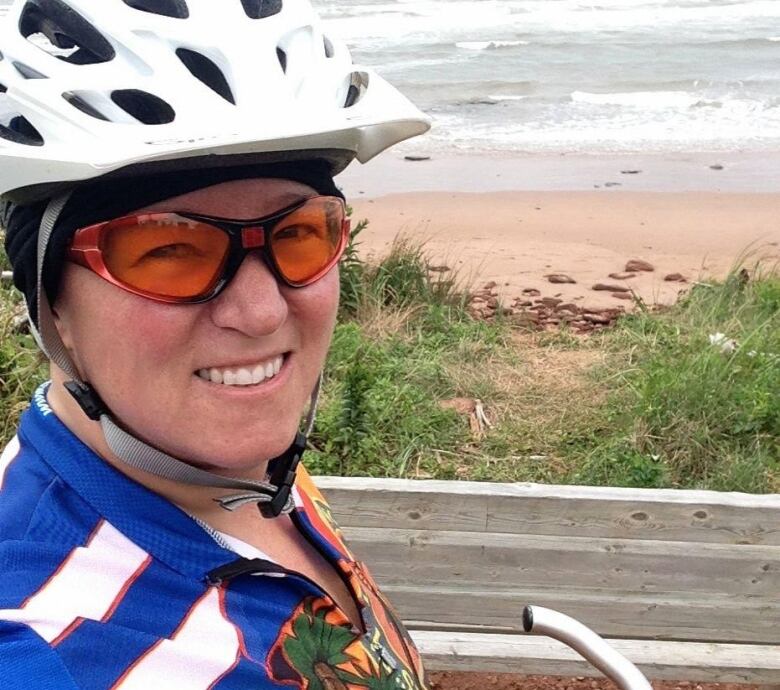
686 582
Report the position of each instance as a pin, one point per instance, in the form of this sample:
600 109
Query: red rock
526 318
610 288
489 286
639 265
439 269
568 306
597 318
622 295
550 301
532 292
675 278
559 278
622 276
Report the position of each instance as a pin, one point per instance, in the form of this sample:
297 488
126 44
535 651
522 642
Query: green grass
648 403
683 412
400 336
21 367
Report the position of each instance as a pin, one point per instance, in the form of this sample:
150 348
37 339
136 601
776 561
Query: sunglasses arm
85 248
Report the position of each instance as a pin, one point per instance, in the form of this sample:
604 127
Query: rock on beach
639 265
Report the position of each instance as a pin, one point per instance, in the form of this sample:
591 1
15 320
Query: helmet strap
274 497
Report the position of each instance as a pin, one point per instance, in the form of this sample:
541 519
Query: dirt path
502 681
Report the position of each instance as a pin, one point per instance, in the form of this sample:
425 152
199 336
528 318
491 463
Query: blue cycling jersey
104 584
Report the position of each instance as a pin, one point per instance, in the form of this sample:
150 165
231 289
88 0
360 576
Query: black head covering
106 198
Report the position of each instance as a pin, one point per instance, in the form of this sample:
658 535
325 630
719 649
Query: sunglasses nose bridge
253 237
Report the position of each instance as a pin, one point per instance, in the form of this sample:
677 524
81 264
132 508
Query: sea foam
657 100
488 45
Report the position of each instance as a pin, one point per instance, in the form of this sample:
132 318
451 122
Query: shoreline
727 172
518 238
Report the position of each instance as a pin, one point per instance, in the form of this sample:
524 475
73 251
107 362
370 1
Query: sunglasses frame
244 236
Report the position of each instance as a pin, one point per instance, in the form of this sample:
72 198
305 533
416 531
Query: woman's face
144 357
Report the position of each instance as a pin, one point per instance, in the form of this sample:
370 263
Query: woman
173 222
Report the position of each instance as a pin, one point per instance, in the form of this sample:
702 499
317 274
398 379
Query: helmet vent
282 57
143 106
69 36
329 52
260 9
19 130
81 104
28 72
3 88
358 85
207 71
167 8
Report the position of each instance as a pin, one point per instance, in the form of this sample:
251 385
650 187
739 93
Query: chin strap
274 497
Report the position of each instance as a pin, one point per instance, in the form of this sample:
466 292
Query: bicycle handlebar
539 620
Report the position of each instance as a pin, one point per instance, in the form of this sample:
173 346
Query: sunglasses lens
308 241
165 255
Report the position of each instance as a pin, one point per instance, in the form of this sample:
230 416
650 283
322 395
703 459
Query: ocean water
600 76
575 76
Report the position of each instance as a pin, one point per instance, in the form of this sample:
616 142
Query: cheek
315 308
115 336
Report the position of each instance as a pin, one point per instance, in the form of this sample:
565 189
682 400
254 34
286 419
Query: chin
238 458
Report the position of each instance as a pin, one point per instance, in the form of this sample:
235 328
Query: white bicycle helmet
96 86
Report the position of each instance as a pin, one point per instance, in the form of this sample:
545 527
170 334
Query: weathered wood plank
521 562
708 618
655 514
727 663
700 568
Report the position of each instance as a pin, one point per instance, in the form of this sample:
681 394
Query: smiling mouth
246 375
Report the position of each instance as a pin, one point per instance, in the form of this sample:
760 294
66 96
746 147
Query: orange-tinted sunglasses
186 258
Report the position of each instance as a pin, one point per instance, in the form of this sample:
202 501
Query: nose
252 303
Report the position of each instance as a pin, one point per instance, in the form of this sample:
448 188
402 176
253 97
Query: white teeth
243 376
258 374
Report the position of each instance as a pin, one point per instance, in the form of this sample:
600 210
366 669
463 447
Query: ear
62 324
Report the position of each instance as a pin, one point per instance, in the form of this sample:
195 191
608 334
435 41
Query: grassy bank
21 367
686 397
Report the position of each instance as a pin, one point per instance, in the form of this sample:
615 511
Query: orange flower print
317 650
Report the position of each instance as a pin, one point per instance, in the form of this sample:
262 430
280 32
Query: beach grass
685 397
682 397
695 395
22 368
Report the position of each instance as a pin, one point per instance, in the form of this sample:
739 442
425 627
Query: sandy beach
573 225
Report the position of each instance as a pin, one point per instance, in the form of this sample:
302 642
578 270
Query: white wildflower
727 345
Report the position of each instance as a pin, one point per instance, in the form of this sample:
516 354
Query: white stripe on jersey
89 583
205 647
8 456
